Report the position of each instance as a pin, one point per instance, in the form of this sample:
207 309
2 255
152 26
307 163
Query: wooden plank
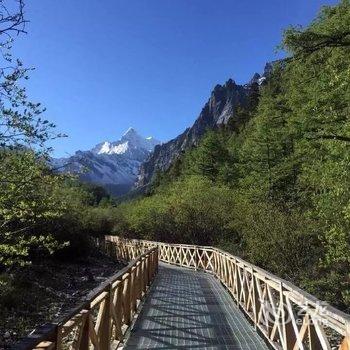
126 299
104 332
345 344
85 336
47 345
117 310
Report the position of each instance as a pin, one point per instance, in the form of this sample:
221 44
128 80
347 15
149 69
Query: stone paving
186 309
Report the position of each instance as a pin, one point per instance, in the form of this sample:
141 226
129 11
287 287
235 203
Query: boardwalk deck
191 310
187 309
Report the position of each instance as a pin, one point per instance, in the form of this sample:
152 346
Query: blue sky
105 65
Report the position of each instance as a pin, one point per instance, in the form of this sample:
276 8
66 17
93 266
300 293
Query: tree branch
331 137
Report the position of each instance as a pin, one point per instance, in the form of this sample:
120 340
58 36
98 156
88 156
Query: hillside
269 180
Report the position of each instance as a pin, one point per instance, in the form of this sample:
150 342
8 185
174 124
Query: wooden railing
288 317
103 318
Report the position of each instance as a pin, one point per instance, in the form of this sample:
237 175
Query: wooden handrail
288 317
104 316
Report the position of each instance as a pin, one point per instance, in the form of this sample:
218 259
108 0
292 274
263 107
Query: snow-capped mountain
113 165
129 142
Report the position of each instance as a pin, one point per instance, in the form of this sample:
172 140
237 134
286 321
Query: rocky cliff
219 109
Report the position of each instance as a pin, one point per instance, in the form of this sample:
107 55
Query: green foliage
192 210
207 159
329 30
40 212
277 190
98 194
27 200
318 86
277 240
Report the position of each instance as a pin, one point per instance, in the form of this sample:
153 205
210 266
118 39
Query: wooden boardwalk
186 309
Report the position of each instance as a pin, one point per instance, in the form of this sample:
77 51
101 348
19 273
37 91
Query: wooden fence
103 318
288 317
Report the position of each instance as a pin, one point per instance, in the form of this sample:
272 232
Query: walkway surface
186 309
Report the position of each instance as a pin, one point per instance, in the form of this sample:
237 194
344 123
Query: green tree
208 157
268 168
27 201
318 81
25 182
189 210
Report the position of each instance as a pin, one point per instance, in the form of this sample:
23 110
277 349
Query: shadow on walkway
186 309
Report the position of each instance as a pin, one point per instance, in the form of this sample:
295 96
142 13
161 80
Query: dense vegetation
276 190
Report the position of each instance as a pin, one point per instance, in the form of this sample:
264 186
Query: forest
273 188
276 188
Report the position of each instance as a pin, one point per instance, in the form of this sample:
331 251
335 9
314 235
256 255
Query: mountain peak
130 131
255 78
111 164
131 141
131 135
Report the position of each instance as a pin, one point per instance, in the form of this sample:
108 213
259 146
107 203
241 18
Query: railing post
315 343
126 298
239 282
289 337
142 279
117 308
154 263
58 337
149 269
146 272
345 345
133 289
85 335
234 278
156 260
155 254
105 332
220 266
225 279
245 287
151 258
256 300
215 265
138 281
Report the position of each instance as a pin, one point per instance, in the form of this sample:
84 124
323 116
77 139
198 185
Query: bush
192 210
281 241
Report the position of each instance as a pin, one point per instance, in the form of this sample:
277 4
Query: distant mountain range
132 161
113 165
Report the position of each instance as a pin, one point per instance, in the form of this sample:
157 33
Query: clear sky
105 65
